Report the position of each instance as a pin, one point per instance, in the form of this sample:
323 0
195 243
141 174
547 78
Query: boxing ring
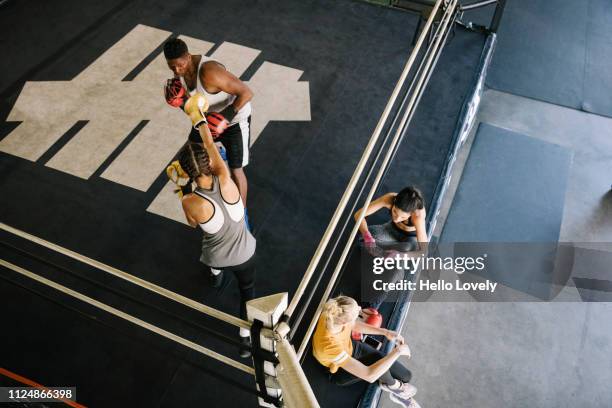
281 328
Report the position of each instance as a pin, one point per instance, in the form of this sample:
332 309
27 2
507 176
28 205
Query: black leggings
245 273
368 355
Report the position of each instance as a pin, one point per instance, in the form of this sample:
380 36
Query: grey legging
389 233
388 237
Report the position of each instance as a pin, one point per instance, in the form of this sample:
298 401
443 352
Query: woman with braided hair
334 348
216 207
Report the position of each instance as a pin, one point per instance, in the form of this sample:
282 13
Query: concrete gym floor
527 354
544 354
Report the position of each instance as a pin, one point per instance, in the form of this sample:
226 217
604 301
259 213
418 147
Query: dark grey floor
498 180
503 210
556 51
56 342
587 215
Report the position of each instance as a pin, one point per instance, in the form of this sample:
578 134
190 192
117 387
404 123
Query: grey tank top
226 242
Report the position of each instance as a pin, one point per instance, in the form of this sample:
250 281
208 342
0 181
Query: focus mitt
196 107
177 175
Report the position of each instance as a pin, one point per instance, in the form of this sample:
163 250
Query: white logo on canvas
113 108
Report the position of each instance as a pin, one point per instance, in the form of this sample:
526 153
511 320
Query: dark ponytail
409 199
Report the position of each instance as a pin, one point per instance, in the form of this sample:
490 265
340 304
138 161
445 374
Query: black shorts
368 355
236 139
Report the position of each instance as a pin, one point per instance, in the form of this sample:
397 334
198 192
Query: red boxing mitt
216 123
219 121
175 93
372 317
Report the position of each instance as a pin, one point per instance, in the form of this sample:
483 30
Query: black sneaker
245 348
215 280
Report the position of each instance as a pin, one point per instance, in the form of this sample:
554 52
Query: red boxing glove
372 317
217 124
175 93
219 121
369 316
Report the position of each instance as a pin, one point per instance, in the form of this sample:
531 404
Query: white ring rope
442 28
228 318
130 318
360 167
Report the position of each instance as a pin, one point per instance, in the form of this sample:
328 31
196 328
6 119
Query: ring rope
130 318
228 318
124 294
443 25
360 167
298 319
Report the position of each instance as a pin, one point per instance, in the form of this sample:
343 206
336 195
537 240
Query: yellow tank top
331 349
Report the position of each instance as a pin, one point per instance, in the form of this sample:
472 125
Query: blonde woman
333 348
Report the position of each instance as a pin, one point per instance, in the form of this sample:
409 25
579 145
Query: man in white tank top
229 111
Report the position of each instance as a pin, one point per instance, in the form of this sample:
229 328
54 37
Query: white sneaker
405 391
404 402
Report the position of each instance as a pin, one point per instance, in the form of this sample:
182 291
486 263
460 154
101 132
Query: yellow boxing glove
177 175
196 107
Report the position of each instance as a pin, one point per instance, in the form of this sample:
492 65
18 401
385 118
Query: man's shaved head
174 48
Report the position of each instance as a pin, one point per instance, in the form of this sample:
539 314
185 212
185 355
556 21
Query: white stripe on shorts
244 130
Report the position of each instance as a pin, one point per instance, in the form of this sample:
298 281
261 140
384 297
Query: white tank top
220 100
